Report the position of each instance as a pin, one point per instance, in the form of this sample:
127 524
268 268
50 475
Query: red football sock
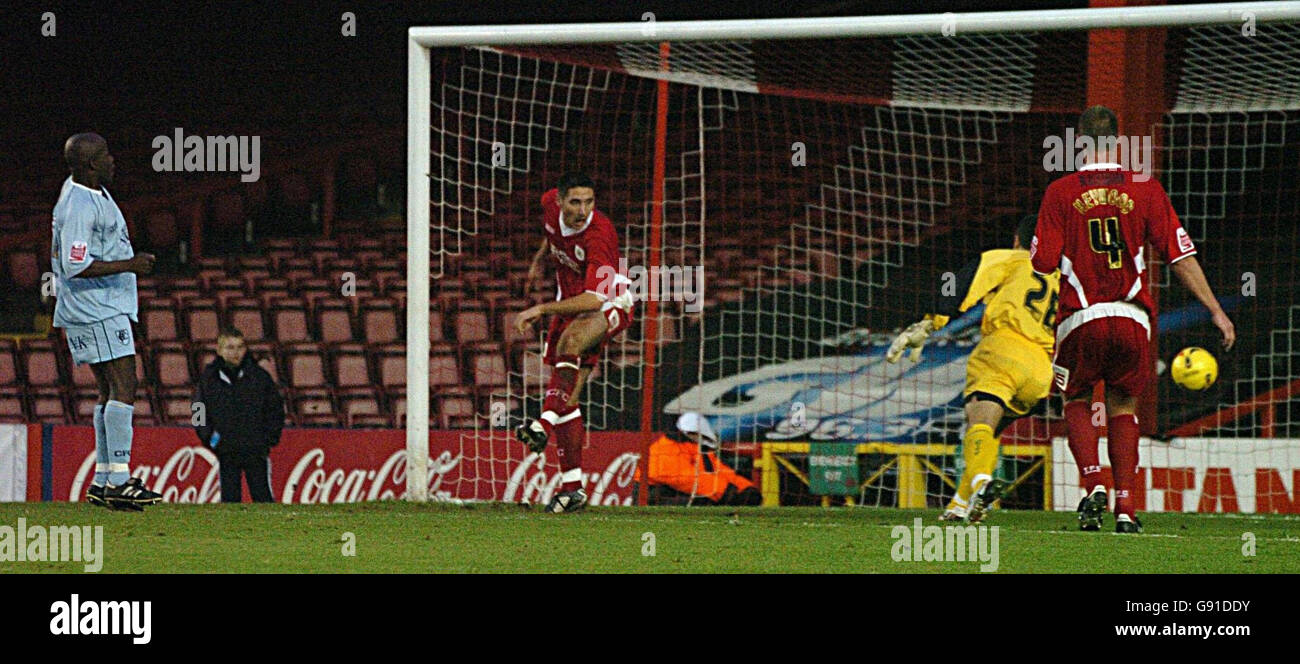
570 435
1122 444
564 377
1083 442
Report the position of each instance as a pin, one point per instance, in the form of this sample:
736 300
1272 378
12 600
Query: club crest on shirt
577 251
123 337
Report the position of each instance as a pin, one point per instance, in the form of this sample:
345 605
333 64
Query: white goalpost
912 162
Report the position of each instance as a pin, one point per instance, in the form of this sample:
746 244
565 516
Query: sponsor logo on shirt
1061 376
77 252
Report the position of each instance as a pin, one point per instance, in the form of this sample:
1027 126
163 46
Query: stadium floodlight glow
421 144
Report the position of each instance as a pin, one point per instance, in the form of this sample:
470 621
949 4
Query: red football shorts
616 321
1113 348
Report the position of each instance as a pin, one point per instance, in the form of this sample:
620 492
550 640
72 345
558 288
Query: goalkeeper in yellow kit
1010 369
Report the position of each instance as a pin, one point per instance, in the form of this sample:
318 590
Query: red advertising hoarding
339 465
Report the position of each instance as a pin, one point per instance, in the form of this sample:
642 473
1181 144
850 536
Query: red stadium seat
8 365
290 318
361 421
144 413
471 323
246 316
536 373
495 298
224 296
390 365
256 285
451 402
82 376
209 276
172 365
488 365
379 321
83 404
255 276
507 313
270 297
323 258
11 407
437 327
48 404
334 320
444 370
350 366
277 258
359 401
40 363
184 284
314 408
387 280
176 406
398 401
159 319
306 366
202 320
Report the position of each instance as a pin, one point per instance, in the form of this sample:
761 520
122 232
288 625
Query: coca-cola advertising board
340 466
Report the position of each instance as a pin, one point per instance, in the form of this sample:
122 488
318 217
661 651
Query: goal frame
420 39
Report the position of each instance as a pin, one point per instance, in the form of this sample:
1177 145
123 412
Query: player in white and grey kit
95 270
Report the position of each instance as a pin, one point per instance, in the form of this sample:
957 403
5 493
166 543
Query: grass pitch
438 538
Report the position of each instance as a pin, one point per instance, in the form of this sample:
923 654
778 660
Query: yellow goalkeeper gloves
913 337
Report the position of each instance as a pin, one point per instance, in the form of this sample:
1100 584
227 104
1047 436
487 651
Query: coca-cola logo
611 487
175 479
323 473
310 483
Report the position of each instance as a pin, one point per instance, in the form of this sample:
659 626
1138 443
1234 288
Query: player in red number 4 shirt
1094 225
591 307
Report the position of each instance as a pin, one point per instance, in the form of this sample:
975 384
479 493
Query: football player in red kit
1094 225
592 306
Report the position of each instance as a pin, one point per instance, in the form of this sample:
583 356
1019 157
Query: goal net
822 184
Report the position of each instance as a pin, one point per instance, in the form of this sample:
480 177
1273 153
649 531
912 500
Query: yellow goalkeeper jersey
1015 298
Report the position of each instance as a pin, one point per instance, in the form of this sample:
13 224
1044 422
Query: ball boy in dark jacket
241 418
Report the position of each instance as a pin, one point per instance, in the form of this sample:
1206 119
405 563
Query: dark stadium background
279 70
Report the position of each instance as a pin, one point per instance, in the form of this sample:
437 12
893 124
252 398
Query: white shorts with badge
102 341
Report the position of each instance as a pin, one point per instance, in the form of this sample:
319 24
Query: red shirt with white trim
586 260
1094 226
